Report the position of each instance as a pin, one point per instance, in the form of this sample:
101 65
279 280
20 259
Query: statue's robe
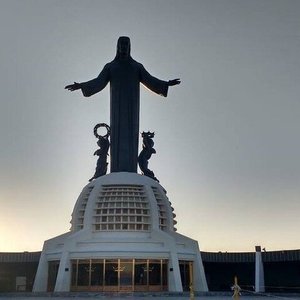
124 76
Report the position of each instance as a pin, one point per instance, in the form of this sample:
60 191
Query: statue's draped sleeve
154 84
94 86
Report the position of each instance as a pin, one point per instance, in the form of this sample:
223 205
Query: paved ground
130 297
138 298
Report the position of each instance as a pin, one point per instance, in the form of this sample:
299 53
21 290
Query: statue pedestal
122 238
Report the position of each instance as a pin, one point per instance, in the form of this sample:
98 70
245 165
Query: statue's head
123 47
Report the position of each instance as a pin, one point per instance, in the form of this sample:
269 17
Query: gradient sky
227 138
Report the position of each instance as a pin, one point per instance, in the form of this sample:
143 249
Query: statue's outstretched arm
73 87
154 84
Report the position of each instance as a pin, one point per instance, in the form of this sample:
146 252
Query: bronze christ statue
124 75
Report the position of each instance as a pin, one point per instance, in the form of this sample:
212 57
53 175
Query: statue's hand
73 87
174 82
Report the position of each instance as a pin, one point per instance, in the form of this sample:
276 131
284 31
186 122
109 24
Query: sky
227 138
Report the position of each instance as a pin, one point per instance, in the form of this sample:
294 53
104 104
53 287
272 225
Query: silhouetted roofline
17 257
213 257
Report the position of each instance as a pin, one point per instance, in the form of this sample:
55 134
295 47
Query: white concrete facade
124 216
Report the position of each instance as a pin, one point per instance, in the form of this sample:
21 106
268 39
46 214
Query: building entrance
119 275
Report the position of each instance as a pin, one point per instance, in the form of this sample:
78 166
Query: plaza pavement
151 297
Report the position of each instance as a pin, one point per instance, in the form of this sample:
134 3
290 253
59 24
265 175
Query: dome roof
123 202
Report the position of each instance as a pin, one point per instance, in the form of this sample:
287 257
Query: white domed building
122 238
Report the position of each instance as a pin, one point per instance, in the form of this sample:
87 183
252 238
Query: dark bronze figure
146 154
102 152
124 75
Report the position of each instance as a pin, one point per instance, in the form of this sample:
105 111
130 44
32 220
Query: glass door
52 274
140 275
126 274
111 275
